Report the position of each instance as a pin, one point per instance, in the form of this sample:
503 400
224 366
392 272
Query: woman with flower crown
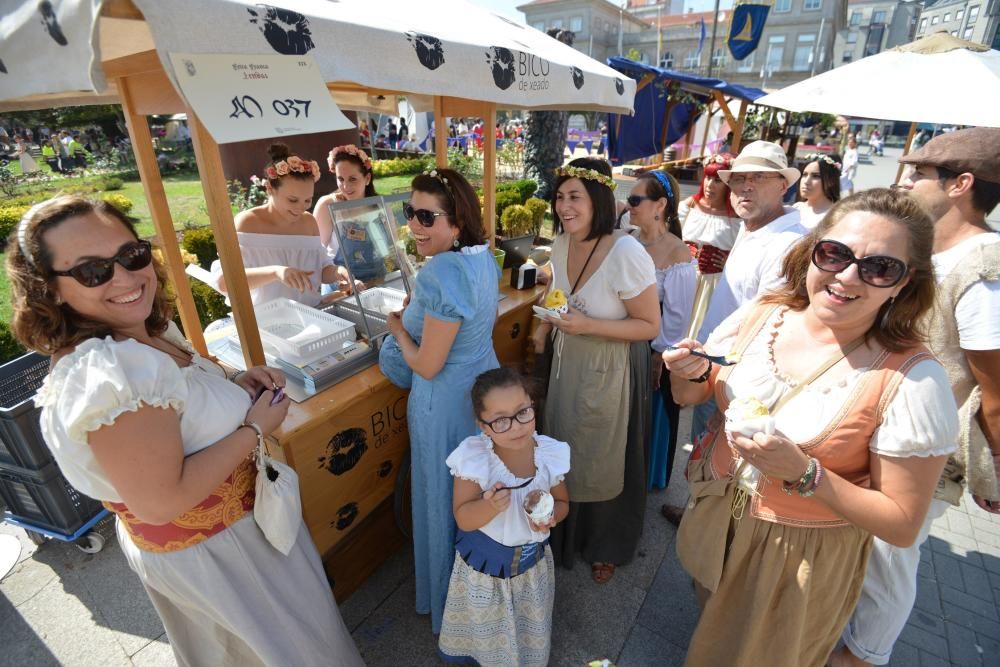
598 397
355 180
710 227
819 188
279 241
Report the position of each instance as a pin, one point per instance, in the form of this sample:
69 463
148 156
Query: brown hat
975 151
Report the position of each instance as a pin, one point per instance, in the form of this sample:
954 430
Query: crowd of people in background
841 355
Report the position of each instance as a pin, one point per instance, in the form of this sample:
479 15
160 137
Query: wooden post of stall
688 136
666 128
159 211
490 173
213 181
738 130
440 133
709 112
906 150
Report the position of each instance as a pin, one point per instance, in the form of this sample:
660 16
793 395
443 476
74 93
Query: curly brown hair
898 324
40 322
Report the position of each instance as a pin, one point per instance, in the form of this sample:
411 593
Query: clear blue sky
508 7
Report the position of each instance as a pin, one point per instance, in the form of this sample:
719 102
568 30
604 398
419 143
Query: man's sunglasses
423 216
133 257
876 270
635 200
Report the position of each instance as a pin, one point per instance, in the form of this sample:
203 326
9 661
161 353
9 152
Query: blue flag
747 27
701 39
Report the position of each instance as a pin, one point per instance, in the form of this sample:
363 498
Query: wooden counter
347 444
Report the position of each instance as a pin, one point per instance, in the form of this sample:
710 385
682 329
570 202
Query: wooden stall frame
906 150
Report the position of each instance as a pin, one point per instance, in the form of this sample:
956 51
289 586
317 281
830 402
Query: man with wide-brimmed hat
758 179
956 177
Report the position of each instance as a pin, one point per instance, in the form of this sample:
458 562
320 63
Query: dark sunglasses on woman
875 270
423 216
635 200
94 272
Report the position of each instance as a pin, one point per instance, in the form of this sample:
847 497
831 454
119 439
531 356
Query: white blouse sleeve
922 418
471 461
102 379
554 456
633 268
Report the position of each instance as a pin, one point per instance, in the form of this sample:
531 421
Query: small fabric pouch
277 508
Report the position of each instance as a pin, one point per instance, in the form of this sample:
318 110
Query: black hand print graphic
619 86
286 31
344 451
577 77
384 469
430 53
501 60
51 22
346 516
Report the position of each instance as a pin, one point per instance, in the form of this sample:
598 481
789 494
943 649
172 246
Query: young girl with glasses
499 608
440 342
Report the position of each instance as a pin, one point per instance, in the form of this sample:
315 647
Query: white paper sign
242 97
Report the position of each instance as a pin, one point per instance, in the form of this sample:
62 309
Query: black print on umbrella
286 31
577 77
430 53
501 60
346 516
344 451
384 469
3 68
619 86
51 22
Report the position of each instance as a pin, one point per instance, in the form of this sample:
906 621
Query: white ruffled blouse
707 229
675 286
920 420
103 378
474 460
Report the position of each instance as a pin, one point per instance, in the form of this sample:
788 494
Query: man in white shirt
956 177
759 177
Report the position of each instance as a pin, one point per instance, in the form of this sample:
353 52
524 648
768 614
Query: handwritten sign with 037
243 97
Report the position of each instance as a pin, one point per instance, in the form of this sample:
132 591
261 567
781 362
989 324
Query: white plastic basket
382 300
299 333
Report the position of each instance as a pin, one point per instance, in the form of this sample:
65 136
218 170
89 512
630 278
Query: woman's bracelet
704 376
806 485
236 374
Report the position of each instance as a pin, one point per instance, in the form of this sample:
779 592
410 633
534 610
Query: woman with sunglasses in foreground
441 341
653 210
834 425
138 419
598 397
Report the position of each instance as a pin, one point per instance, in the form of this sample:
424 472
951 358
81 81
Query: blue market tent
643 134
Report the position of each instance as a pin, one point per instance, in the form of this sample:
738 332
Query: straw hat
761 156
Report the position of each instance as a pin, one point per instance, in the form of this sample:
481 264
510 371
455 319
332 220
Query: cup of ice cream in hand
539 506
747 417
557 302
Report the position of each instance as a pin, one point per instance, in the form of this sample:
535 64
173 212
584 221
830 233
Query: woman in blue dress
440 342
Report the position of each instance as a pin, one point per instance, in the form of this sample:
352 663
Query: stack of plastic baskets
37 497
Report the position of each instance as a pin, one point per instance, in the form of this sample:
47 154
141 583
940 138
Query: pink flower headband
717 159
293 163
814 157
350 149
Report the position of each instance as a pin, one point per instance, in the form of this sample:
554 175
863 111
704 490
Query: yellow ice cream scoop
748 408
556 300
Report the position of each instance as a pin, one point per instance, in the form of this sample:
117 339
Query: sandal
601 573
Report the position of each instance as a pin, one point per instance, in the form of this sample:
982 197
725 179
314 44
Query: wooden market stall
348 442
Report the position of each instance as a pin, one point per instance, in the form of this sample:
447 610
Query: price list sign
240 97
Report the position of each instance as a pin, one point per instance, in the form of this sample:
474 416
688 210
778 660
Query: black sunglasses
133 257
876 270
423 216
504 424
635 200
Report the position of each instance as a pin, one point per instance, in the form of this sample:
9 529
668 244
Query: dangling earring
454 242
656 217
885 313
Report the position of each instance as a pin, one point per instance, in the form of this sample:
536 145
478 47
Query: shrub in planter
538 208
9 217
120 202
504 199
210 304
9 347
524 188
516 221
109 183
200 242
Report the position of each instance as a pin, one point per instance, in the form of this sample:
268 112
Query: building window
973 14
959 14
802 56
878 17
811 5
782 6
719 59
923 24
746 65
947 17
775 52
967 33
539 26
692 60
576 23
855 18
852 37
848 56
935 19
668 61
556 23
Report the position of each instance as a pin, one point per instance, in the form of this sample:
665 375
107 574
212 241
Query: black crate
45 499
21 442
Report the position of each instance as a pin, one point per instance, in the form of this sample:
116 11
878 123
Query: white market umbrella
935 79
